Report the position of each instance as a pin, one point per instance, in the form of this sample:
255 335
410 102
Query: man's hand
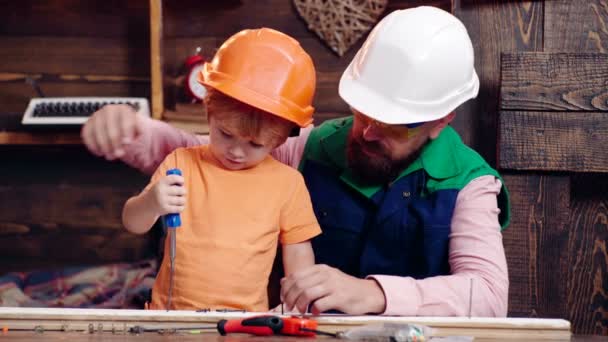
109 130
328 288
168 195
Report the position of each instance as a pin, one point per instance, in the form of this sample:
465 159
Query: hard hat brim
381 108
283 108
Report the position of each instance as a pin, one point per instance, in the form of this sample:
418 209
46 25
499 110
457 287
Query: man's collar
436 157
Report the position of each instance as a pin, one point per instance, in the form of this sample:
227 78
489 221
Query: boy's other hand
109 130
169 195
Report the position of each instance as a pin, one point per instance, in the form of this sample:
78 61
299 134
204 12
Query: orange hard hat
266 69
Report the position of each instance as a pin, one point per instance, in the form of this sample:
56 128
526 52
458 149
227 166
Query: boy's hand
168 195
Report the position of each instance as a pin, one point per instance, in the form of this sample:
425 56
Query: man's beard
378 168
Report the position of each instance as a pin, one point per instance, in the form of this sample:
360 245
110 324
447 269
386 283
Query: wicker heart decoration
340 23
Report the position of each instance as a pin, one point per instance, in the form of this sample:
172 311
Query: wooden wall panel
191 18
70 18
576 26
65 204
554 81
554 141
494 27
74 55
581 27
588 255
536 243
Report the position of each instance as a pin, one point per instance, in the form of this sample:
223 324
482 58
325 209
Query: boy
235 200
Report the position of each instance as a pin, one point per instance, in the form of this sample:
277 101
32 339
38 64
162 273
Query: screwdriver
172 221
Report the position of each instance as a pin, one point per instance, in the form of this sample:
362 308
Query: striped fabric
124 285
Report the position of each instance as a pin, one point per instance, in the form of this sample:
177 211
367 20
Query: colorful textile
124 285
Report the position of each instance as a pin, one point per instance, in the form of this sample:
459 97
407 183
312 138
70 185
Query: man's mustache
372 146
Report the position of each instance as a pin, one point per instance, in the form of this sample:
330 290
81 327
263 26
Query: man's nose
371 133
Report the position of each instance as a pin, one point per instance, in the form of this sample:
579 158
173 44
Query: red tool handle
258 325
298 326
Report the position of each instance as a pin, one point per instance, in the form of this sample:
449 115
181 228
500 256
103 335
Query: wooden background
61 206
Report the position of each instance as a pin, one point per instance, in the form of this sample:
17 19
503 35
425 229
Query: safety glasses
394 131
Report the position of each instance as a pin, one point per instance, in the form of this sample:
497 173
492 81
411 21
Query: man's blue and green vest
398 229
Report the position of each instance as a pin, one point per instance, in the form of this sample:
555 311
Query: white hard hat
415 66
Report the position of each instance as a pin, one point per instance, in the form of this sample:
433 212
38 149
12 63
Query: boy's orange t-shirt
230 228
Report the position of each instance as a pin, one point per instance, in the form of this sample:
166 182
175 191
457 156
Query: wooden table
154 337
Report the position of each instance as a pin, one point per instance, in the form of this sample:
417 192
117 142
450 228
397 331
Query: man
411 217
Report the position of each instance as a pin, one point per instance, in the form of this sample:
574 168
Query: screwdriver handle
258 325
173 220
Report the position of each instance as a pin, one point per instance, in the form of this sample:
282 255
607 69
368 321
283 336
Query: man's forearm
156 141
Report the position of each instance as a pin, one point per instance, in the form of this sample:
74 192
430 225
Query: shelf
40 138
12 133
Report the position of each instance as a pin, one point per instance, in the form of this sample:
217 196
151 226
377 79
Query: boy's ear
295 131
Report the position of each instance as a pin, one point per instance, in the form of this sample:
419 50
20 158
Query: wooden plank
104 319
224 18
69 18
588 255
74 55
536 245
77 188
554 141
156 58
64 206
75 246
576 26
69 204
39 138
494 27
554 81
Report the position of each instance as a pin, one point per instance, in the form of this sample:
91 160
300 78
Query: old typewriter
73 111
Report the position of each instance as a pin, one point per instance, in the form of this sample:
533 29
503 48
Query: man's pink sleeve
158 139
155 142
290 153
479 283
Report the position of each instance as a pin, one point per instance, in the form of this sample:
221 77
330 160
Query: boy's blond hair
260 126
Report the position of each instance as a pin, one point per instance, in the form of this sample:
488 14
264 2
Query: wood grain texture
74 55
576 26
494 27
478 328
554 81
224 18
588 255
536 243
71 204
156 58
23 336
74 18
554 141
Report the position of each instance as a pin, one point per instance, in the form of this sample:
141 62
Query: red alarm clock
194 65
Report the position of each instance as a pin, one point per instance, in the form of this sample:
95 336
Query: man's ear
440 125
